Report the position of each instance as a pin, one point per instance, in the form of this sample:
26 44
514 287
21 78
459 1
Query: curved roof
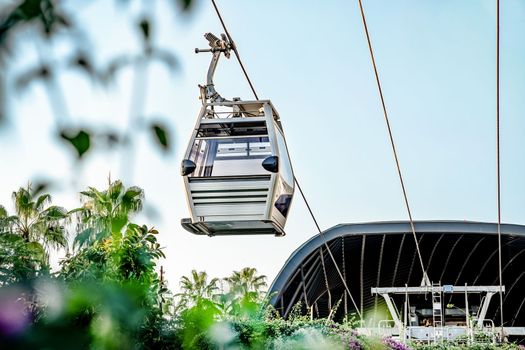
383 253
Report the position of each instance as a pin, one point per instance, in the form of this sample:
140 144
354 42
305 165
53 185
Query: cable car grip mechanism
217 46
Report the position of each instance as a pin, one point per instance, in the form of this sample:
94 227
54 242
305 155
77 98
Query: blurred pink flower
14 316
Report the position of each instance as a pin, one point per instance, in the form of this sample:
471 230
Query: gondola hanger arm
217 46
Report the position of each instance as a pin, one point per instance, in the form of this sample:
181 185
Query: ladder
437 311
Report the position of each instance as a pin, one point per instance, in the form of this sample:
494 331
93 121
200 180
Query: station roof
382 254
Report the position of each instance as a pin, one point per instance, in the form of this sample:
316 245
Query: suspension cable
498 173
234 47
321 233
412 227
295 179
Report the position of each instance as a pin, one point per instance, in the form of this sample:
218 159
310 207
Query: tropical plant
195 288
20 260
246 281
37 221
27 237
131 255
106 213
110 249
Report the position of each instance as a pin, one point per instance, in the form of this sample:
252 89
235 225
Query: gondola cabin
237 172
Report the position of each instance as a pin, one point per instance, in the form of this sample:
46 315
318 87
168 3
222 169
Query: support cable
498 172
234 47
321 233
295 179
326 280
426 280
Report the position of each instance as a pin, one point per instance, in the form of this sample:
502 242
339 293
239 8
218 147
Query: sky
436 60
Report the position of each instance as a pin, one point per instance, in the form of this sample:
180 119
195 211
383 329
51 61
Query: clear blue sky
437 64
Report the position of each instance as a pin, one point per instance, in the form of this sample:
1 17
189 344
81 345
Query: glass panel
283 203
286 166
230 156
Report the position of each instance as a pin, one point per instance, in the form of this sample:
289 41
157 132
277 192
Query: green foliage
37 222
43 13
108 295
27 236
196 288
45 20
129 255
246 281
80 140
86 315
161 135
20 260
106 213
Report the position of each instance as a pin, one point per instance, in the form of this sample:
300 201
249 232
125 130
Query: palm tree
4 225
195 288
106 213
246 281
25 238
36 221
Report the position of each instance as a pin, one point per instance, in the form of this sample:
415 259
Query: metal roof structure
382 254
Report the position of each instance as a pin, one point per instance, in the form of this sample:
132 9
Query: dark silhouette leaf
161 136
39 187
185 4
83 62
41 72
145 29
80 140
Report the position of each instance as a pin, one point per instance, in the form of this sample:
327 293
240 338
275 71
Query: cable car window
286 166
230 156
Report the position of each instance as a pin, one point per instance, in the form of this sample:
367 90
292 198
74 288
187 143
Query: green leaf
76 210
118 223
161 136
55 213
145 28
36 249
185 4
83 237
80 140
43 199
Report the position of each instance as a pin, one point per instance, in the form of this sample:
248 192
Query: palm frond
41 201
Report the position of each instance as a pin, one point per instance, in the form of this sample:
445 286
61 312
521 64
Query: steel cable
321 233
498 172
234 47
295 179
405 196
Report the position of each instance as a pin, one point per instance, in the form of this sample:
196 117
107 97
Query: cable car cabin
237 173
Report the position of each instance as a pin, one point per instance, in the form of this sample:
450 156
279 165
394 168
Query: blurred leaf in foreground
161 135
80 139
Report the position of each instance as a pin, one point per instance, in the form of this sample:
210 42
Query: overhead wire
321 233
392 143
394 150
498 169
234 47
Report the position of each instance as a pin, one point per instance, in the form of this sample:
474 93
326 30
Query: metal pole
467 316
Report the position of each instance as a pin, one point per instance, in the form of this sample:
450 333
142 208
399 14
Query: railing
486 334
